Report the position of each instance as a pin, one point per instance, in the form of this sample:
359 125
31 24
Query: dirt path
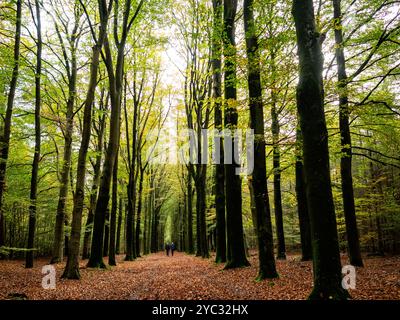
157 276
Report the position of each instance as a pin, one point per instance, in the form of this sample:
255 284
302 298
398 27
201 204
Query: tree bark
202 248
326 257
113 220
131 190
198 244
150 211
346 159
301 197
154 232
146 224
139 212
258 179
118 241
96 178
277 171
190 214
233 183
115 87
106 241
66 237
5 136
219 168
183 225
36 157
200 176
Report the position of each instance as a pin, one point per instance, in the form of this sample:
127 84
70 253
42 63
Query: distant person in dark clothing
172 248
167 248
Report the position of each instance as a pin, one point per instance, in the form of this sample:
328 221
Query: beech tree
236 256
69 54
36 157
217 96
258 179
6 125
72 267
326 257
99 127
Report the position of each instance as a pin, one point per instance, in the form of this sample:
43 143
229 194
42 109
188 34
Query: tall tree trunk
198 244
139 212
200 184
131 189
310 105
220 256
179 220
66 238
154 228
113 220
5 136
233 182
202 248
267 267
183 224
277 170
301 197
72 268
145 227
106 241
96 178
36 157
190 214
346 159
150 226
147 235
149 214
252 205
119 226
96 252
64 182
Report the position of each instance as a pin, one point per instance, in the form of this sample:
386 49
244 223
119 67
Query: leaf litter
184 277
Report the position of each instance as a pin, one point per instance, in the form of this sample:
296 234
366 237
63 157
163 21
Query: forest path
182 276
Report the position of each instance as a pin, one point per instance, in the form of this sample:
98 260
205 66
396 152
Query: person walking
172 248
167 248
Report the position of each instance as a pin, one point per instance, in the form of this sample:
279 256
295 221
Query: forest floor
182 276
